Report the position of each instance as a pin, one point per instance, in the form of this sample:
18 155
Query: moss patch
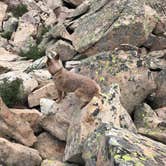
33 53
19 10
11 92
6 35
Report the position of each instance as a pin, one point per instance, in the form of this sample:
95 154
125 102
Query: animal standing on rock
66 81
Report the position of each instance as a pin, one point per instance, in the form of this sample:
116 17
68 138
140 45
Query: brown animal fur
65 81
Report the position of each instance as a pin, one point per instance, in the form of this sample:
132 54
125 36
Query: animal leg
59 96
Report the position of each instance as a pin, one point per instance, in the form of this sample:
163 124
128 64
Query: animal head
54 63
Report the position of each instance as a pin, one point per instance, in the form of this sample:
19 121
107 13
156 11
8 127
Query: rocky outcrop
85 121
108 146
55 163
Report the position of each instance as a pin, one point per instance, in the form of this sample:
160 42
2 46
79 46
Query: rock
158 6
74 2
46 106
47 91
11 62
28 83
109 146
32 116
62 13
41 75
53 4
14 66
161 113
124 68
2 13
80 10
7 56
55 163
37 64
149 124
87 120
58 116
160 26
26 29
10 25
157 99
156 60
50 147
16 154
111 24
14 127
64 49
56 32
3 42
155 42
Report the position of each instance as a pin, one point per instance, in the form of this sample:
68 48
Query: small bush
6 35
33 53
11 92
19 10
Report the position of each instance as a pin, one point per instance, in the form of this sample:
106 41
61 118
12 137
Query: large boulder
15 127
127 69
109 24
50 147
16 154
149 124
85 121
112 146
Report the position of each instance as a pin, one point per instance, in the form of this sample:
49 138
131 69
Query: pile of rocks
121 44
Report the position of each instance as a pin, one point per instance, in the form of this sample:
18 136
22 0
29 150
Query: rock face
87 120
109 146
16 154
111 24
49 147
14 127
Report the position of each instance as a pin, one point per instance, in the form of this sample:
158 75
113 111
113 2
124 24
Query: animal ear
56 57
48 62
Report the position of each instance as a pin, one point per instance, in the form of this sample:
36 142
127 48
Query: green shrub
6 35
43 30
12 92
33 53
19 10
